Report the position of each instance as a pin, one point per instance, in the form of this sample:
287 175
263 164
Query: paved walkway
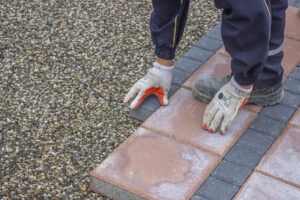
171 157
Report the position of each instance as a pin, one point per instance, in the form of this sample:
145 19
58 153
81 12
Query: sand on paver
65 67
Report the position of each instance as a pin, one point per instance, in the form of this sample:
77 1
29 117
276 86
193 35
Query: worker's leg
246 32
272 71
167 25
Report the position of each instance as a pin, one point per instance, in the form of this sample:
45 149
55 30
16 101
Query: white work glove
157 81
225 106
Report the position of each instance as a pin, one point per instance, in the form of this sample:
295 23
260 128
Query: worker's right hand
157 81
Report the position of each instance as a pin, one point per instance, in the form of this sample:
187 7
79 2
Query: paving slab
283 158
182 119
151 166
231 172
268 126
291 99
256 141
208 43
187 64
292 85
292 23
295 120
296 73
199 54
215 189
278 112
291 58
215 32
243 156
260 187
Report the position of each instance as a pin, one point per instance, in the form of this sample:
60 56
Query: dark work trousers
252 32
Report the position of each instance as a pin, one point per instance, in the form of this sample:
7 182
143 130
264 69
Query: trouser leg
246 31
167 25
273 71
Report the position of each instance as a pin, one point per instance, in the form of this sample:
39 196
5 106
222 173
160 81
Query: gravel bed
65 67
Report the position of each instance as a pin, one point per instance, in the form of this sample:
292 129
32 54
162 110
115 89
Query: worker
252 33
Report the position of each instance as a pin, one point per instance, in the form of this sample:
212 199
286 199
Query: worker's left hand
224 107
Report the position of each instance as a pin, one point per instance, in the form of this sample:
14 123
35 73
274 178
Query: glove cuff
162 67
238 89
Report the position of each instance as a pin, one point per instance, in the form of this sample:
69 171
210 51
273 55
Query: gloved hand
157 81
225 106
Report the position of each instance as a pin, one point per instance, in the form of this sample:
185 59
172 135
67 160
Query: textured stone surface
196 197
208 43
296 73
291 56
243 156
255 141
278 112
231 172
292 23
182 119
267 126
283 159
199 54
295 120
188 65
292 85
262 187
291 99
179 76
215 189
152 166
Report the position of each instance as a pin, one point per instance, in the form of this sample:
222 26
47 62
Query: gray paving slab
196 197
256 141
267 126
292 85
140 113
243 156
292 2
179 77
291 99
199 54
296 73
215 189
215 32
187 64
231 172
208 43
278 112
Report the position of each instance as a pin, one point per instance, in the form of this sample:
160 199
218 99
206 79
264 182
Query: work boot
205 89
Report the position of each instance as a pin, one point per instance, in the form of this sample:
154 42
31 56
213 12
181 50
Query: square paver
283 159
187 64
256 141
295 120
296 73
268 126
243 156
208 43
215 189
278 112
231 172
150 166
182 119
261 187
292 85
199 54
292 23
291 99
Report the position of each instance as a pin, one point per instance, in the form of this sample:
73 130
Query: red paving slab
291 58
182 120
261 187
153 167
283 158
292 29
295 120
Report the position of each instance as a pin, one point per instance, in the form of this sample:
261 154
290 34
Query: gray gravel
65 67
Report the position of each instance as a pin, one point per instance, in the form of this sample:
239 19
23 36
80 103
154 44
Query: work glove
157 81
225 106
